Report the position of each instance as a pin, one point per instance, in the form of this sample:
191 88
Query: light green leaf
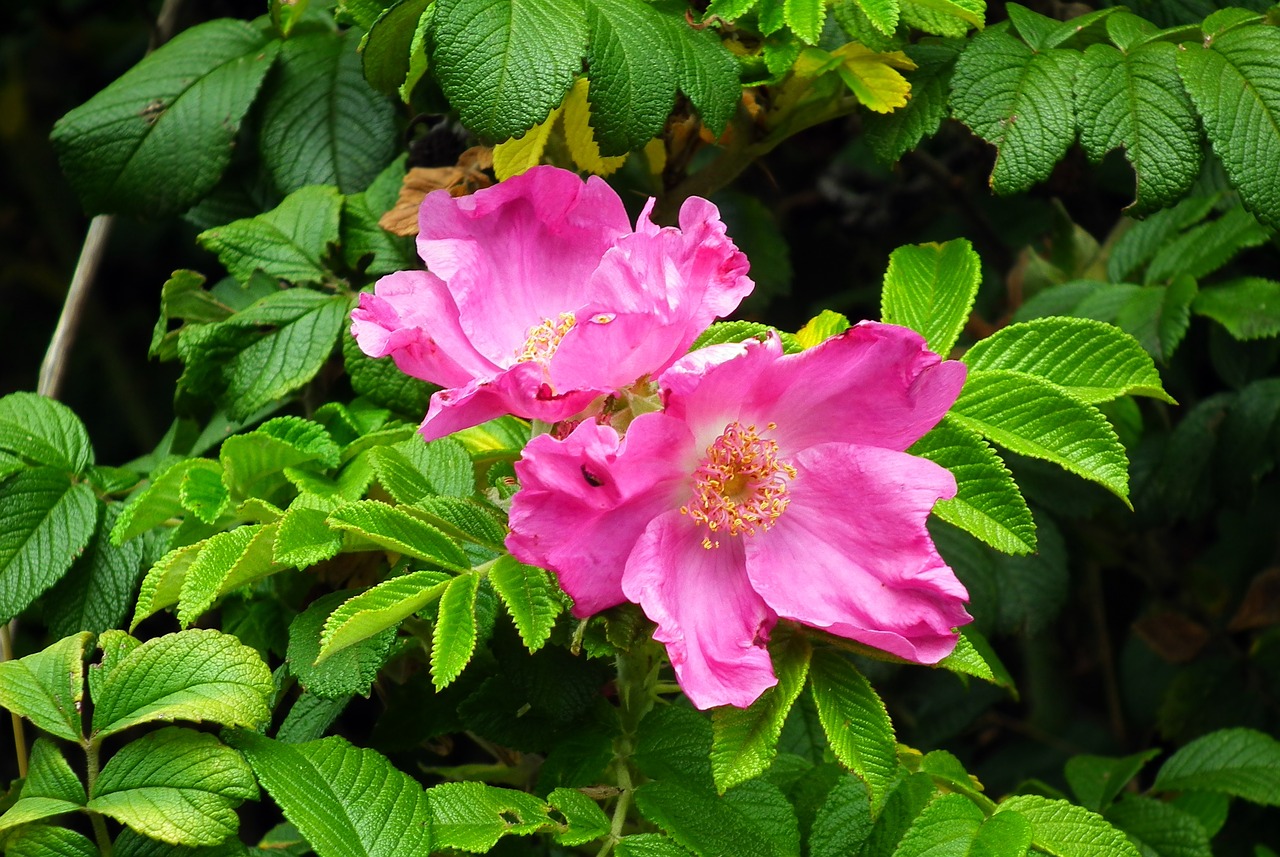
531 597
197 675
1066 830
883 14
944 17
470 520
1092 361
632 71
162 586
946 826
346 801
254 461
805 18
303 537
505 64
45 431
1096 780
155 504
158 138
472 816
1005 834
974 656
386 49
228 560
383 606
930 288
1037 419
50 776
856 723
394 529
46 521
321 122
341 674
202 491
288 242
586 819
411 469
988 503
1160 828
1249 307
1018 100
1235 85
176 785
821 327
745 740
1240 762
891 135
47 687
649 845
96 593
1134 99
39 840
453 640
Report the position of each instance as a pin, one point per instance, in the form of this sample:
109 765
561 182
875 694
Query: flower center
740 486
543 339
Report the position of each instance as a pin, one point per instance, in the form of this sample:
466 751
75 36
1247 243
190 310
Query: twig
55 359
19 736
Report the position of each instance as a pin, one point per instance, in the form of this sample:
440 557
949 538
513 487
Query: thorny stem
637 693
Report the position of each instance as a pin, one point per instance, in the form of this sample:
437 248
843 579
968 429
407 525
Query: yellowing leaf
656 152
520 153
579 136
873 77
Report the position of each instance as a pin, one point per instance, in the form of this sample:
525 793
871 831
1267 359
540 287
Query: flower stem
19 735
91 747
637 692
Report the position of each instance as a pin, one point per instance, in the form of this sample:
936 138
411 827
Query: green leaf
1066 830
47 687
705 69
944 17
46 520
856 724
1038 419
531 597
411 469
1236 87
1005 834
45 431
1160 828
1241 762
721 332
821 327
470 520
197 675
750 820
310 717
385 49
1018 100
473 816
1134 99
98 590
805 18
883 14
891 135
453 640
843 822
1096 780
155 504
988 503
343 673
1142 239
346 801
394 529
304 538
930 288
505 64
366 246
631 68
176 785
382 382
383 606
254 461
1249 308
649 845
674 743
159 137
288 242
162 585
1092 361
51 788
974 656
745 740
1205 248
947 825
38 840
586 819
228 560
321 122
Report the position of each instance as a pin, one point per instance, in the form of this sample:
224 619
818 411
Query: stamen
543 339
740 487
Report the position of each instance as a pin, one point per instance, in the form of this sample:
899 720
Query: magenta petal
584 501
521 390
712 622
851 553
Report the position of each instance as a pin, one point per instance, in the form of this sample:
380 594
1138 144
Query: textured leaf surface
705 69
512 157
322 124
974 656
930 288
96 593
874 77
1135 99
505 64
1018 100
856 724
45 431
1096 780
47 687
1235 84
843 821
411 470
203 676
176 785
1064 829
453 640
39 840
751 820
1204 248
287 242
632 72
1039 420
531 597
384 606
343 673
1249 308
254 461
1240 762
385 51
649 845
46 520
159 137
473 816
946 826
346 801
1160 828
1092 361
586 820
891 135
228 560
745 740
397 530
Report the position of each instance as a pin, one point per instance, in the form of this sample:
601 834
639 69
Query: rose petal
522 390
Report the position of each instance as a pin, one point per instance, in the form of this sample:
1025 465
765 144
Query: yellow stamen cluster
543 339
740 486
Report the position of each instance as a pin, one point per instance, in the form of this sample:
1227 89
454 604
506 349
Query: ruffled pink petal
584 501
874 385
412 317
712 622
520 252
712 387
851 553
521 390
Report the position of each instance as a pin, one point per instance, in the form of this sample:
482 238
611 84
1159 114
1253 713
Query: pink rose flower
539 297
769 487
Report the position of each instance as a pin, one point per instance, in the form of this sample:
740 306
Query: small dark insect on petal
592 480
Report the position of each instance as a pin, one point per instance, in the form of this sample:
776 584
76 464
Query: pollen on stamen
741 486
543 339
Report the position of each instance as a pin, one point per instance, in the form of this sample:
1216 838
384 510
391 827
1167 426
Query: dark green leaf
843 822
1096 780
345 673
98 590
631 68
751 820
1249 308
1160 829
385 50
288 242
891 135
1240 762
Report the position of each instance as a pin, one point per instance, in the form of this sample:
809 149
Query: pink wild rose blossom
540 297
769 487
